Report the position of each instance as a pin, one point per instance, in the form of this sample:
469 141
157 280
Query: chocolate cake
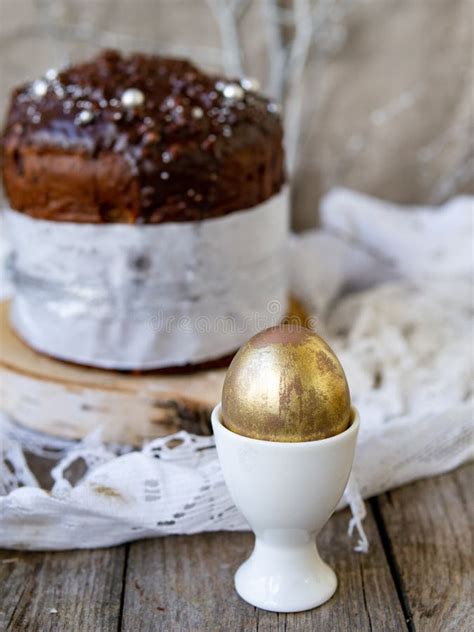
148 214
139 139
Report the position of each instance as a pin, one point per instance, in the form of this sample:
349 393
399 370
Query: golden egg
286 384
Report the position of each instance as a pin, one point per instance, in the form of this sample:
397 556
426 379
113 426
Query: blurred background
377 94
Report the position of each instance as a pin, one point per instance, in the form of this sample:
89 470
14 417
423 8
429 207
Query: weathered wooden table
417 576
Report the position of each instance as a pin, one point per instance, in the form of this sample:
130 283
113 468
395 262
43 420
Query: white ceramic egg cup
287 492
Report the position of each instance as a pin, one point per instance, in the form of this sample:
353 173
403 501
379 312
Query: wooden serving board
70 401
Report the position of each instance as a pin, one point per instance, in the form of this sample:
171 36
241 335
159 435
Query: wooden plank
186 583
428 538
70 590
69 401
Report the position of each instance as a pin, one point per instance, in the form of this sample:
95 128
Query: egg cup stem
285 575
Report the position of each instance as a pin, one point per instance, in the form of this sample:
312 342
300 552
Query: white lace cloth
392 291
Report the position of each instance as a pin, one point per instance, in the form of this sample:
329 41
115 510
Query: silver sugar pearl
51 74
220 85
164 175
86 105
39 88
197 113
59 91
132 98
84 117
274 108
250 83
233 91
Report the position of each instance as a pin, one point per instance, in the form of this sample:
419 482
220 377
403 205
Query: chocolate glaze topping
139 139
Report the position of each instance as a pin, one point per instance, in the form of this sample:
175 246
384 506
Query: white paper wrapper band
150 296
